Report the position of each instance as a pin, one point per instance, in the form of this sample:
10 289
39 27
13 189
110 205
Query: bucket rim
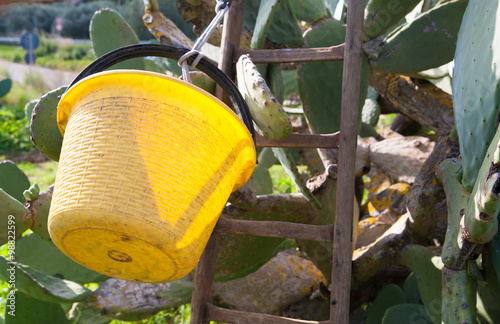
62 122
77 92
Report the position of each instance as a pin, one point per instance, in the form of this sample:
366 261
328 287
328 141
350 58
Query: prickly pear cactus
32 310
267 11
109 31
388 296
406 313
28 109
309 11
13 180
382 15
45 133
408 50
5 86
42 286
476 81
34 252
283 29
268 114
320 83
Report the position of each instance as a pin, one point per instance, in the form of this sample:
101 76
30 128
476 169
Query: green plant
446 285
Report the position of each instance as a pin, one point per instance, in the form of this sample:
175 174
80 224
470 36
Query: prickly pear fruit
383 15
407 50
109 31
309 11
32 193
268 114
475 84
39 208
45 132
320 83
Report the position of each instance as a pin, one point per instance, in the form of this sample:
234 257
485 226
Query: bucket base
118 254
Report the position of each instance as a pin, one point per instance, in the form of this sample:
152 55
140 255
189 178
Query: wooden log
302 141
427 191
291 55
233 316
203 281
342 252
276 229
401 157
419 100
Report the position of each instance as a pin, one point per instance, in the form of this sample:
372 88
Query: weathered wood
401 157
369 262
400 123
342 252
203 281
233 24
302 141
427 191
291 55
419 100
276 229
164 29
233 316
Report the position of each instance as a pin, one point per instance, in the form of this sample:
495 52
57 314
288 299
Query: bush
26 17
76 19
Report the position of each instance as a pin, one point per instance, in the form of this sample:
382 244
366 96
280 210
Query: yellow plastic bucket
147 164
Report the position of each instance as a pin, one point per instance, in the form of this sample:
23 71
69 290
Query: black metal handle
204 65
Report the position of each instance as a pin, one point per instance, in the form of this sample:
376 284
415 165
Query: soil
32 157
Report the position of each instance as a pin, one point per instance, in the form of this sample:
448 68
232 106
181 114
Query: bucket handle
204 65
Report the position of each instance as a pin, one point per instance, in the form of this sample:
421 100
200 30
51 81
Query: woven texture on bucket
140 186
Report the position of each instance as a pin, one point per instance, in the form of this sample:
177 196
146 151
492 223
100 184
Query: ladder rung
290 55
322 233
223 315
302 141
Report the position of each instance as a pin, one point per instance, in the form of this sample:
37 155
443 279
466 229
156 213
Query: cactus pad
382 15
44 129
109 31
13 180
5 86
476 84
320 83
388 296
268 114
409 49
283 29
309 11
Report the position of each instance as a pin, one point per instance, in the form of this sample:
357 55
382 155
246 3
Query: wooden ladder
340 233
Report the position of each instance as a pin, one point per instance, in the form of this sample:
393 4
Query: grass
61 54
42 173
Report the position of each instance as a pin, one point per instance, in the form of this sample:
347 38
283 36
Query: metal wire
221 8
